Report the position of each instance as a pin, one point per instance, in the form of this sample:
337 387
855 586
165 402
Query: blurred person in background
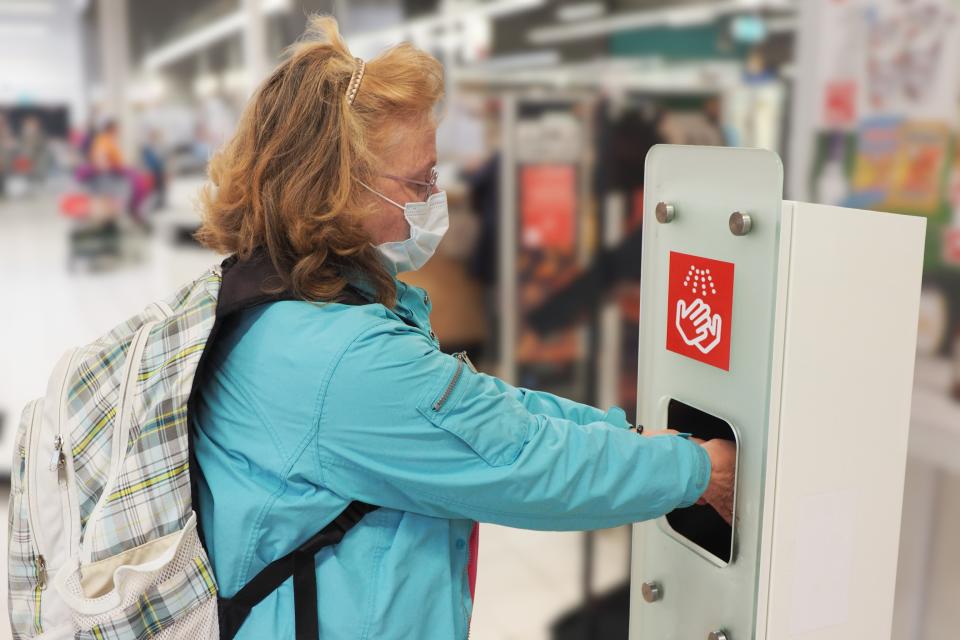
154 161
34 149
120 186
104 172
7 145
338 391
105 153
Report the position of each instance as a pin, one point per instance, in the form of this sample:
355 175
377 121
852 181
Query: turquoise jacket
307 407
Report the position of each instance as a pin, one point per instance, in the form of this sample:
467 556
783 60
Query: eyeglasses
426 188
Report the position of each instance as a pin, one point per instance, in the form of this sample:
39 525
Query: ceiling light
581 11
20 8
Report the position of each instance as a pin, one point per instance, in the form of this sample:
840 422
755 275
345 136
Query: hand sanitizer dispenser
788 328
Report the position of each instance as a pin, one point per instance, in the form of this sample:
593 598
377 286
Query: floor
526 579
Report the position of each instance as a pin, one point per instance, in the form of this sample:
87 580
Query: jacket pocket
491 423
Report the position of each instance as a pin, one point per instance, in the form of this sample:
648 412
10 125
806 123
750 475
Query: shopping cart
101 237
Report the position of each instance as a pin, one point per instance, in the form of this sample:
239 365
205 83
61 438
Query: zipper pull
465 359
41 572
57 460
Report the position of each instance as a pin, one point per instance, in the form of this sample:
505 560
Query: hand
650 433
723 464
698 326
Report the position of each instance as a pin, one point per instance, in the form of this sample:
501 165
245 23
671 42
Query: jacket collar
252 282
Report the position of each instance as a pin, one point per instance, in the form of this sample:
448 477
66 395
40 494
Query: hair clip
355 78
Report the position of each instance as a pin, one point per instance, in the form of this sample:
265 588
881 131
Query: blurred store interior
551 108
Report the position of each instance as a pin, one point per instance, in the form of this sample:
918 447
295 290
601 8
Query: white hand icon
696 320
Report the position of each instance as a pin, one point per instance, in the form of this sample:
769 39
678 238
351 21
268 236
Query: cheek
387 224
399 226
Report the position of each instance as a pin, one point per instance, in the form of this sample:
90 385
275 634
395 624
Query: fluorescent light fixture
22 8
424 31
194 41
206 35
581 11
691 16
274 6
498 8
682 16
528 60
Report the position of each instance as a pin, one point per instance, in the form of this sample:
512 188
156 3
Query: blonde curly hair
288 180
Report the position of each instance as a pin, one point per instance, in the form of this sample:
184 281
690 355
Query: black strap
305 597
247 284
300 564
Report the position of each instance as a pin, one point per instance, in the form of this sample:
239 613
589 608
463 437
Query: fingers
715 324
651 433
720 490
694 311
700 312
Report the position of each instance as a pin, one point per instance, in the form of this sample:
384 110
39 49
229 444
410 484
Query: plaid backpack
104 540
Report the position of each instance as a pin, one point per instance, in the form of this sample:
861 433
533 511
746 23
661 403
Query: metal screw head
665 212
740 223
651 591
718 635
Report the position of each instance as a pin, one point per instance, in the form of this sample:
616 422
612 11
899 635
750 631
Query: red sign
840 103
700 309
548 201
951 245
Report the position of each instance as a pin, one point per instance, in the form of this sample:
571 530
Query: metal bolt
740 223
651 591
718 635
665 212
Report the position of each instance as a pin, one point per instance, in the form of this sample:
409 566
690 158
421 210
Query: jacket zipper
462 359
446 392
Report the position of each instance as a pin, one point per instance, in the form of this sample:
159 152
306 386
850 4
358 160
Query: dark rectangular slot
700 524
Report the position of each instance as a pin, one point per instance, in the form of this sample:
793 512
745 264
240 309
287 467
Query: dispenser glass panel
705 186
701 524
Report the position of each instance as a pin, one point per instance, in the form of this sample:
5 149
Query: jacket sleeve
554 406
404 426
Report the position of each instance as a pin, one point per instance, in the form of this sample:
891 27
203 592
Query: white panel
849 344
706 185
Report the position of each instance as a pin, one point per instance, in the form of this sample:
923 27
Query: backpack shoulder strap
300 564
246 284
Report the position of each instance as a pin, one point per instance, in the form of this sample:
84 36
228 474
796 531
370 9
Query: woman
343 393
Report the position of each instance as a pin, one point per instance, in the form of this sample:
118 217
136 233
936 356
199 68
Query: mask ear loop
374 191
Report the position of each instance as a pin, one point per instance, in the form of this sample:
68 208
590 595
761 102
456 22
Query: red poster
840 103
951 246
700 309
548 199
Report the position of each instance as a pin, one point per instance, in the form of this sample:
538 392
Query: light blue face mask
428 222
